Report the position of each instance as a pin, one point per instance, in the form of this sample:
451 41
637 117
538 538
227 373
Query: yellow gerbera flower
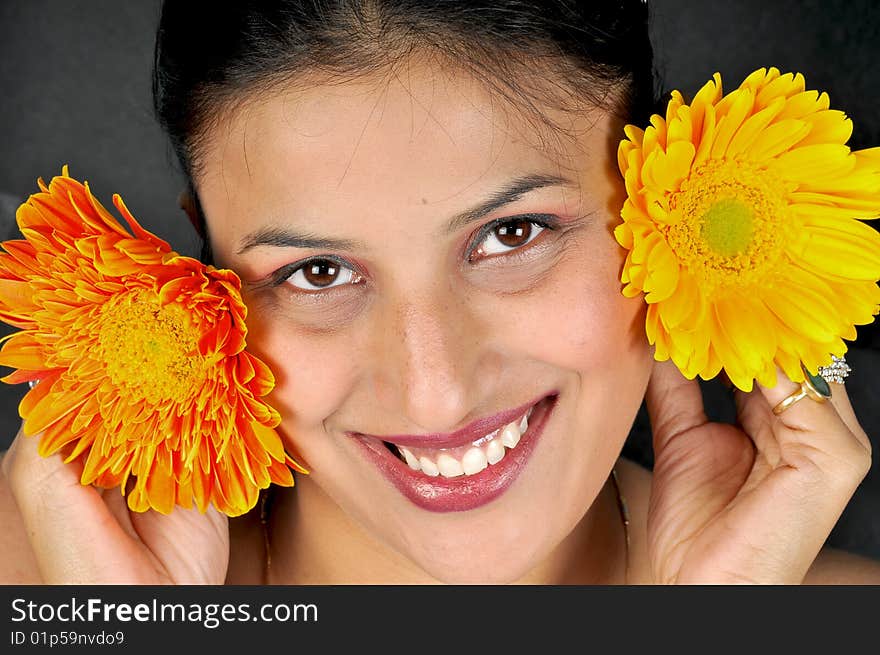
140 358
741 228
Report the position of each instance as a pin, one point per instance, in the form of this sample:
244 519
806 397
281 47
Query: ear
187 202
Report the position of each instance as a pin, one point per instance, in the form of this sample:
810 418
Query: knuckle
866 459
855 463
858 456
13 469
31 477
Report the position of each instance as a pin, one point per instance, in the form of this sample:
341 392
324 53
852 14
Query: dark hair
599 49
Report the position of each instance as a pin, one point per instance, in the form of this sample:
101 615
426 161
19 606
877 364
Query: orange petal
24 352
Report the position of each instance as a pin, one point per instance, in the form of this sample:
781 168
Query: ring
814 387
836 371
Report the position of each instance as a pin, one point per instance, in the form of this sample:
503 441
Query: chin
469 560
479 577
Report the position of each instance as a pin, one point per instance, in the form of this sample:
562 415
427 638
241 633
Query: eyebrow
278 237
511 192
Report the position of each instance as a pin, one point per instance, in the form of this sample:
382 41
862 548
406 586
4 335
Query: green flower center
728 227
732 224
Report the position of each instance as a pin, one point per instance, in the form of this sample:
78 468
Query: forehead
418 136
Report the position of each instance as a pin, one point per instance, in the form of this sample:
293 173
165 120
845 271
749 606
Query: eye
317 274
508 234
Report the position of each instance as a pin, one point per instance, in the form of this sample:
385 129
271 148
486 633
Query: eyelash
284 274
544 221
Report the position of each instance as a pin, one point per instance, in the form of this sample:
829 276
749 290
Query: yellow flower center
148 349
733 223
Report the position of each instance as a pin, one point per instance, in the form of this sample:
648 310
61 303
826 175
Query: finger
841 402
73 535
675 404
806 414
754 411
817 434
809 465
757 421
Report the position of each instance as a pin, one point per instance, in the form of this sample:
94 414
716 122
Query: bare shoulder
17 564
832 567
839 567
247 550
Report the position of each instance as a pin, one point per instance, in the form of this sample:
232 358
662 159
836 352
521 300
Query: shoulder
839 567
831 567
247 550
17 564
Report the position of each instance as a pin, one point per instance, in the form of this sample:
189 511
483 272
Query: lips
438 493
466 435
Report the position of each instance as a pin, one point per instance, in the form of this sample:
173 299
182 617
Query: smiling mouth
466 469
465 460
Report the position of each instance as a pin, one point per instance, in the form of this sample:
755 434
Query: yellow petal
822 160
803 104
752 128
789 308
681 127
663 271
742 101
744 326
778 138
713 365
786 85
758 79
829 126
705 98
674 165
841 257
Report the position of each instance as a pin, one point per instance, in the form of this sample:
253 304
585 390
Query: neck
312 541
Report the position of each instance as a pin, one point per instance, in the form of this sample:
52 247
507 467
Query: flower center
727 227
150 350
733 223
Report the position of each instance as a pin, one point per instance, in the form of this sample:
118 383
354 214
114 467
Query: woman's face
421 272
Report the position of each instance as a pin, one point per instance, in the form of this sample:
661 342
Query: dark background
75 89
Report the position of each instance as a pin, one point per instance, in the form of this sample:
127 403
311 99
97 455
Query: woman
419 198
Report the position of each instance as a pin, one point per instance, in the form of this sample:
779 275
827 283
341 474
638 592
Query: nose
435 360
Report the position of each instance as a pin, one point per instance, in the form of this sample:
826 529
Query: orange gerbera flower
741 228
140 357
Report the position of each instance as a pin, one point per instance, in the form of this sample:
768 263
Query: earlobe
187 202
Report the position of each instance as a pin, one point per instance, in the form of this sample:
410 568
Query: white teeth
488 450
410 459
474 461
429 467
495 451
510 435
449 466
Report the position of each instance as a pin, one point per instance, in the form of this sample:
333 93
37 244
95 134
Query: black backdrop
75 89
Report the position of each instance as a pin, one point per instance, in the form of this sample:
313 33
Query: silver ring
836 371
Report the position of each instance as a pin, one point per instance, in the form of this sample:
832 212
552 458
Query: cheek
313 370
579 319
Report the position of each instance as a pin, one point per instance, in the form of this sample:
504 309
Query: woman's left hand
752 503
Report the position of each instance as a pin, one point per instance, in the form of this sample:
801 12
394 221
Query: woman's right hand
84 535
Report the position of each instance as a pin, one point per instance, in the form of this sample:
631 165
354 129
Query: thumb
67 522
675 404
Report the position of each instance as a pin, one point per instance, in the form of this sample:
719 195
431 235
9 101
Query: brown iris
514 233
321 272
